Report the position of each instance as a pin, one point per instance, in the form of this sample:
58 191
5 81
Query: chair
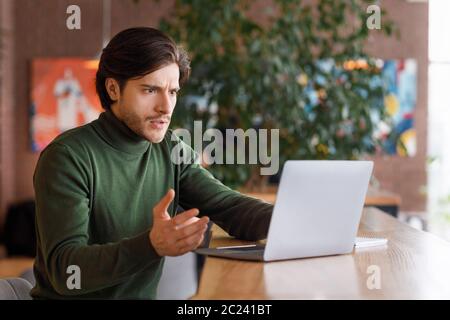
179 278
180 275
15 289
29 276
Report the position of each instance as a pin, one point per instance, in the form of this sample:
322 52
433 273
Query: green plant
287 70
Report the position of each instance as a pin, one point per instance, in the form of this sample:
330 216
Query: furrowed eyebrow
148 86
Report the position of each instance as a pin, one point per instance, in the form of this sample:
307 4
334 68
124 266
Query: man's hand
174 237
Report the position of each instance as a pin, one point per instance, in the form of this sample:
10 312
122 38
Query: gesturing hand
178 235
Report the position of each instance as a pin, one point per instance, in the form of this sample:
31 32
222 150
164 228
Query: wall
7 153
406 176
40 31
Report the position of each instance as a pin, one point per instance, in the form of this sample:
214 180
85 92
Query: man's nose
165 105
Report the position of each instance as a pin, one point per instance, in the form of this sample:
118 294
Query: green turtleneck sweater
95 189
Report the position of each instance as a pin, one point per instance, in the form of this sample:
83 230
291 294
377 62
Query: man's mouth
158 123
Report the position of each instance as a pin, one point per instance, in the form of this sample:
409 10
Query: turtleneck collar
117 134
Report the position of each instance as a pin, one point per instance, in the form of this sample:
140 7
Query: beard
142 126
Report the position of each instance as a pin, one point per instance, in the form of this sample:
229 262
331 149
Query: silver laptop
317 212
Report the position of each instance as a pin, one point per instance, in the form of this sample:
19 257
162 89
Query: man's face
146 104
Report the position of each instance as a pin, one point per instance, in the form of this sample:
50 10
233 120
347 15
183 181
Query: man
107 192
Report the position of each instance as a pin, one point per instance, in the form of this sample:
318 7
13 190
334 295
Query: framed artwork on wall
63 97
400 82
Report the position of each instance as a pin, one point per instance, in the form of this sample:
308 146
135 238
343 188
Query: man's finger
160 210
190 243
184 216
187 231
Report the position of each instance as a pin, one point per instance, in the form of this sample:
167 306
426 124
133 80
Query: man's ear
113 89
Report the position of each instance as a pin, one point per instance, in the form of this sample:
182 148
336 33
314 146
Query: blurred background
340 79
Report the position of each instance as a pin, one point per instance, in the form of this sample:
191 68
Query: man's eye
174 93
150 90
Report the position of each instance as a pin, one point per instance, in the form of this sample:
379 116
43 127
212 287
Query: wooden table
14 267
414 265
382 199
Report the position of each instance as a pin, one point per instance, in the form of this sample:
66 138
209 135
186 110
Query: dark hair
135 52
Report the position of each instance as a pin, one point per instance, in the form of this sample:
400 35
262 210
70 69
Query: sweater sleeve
61 183
241 216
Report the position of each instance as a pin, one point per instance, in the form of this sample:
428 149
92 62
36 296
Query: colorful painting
63 97
400 82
